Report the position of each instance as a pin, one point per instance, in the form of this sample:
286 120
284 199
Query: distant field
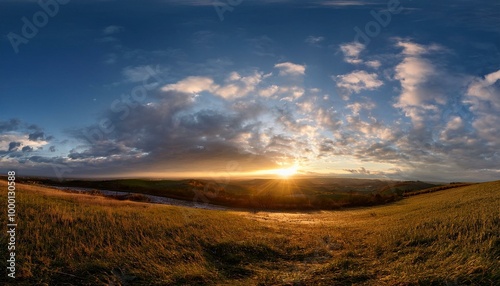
275 194
443 238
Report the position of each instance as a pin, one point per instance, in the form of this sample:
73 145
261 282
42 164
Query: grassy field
449 237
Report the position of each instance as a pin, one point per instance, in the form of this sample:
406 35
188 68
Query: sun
286 172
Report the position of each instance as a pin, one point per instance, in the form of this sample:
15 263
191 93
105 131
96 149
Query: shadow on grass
232 259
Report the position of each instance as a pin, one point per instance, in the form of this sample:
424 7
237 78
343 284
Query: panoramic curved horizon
401 90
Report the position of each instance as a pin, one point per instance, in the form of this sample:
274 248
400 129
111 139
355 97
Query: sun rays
286 173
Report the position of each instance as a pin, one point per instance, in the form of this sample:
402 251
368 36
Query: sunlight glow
286 172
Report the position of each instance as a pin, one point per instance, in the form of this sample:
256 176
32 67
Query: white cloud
269 91
288 93
113 29
368 130
485 89
236 85
356 107
352 51
414 49
455 123
423 86
488 128
252 80
306 106
139 73
23 139
315 90
234 76
239 86
483 96
453 132
373 64
412 73
289 68
357 81
229 91
291 92
314 41
192 84
344 3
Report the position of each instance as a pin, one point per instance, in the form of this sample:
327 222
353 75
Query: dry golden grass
444 238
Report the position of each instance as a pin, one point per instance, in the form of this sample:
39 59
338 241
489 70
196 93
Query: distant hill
301 193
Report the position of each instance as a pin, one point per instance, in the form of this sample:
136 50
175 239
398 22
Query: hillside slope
443 238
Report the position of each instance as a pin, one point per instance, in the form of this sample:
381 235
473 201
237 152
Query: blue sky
385 89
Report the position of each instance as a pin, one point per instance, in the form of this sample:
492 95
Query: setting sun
286 172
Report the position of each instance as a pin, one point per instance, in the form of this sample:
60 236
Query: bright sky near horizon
370 89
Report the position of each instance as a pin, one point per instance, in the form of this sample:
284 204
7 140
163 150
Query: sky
404 90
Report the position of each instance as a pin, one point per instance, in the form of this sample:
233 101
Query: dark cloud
10 125
101 149
383 152
14 145
361 171
13 135
327 146
280 142
52 148
34 127
172 135
27 149
49 160
35 136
